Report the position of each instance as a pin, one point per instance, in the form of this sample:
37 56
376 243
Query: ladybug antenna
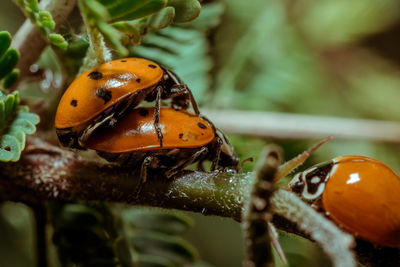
295 162
251 159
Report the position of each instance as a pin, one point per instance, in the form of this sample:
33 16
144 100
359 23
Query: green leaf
8 62
133 29
162 19
10 148
169 223
5 42
15 123
33 5
177 48
77 215
209 17
113 37
185 10
132 9
46 19
11 78
57 40
43 20
154 261
97 10
172 247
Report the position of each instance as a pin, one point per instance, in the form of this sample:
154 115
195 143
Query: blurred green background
332 57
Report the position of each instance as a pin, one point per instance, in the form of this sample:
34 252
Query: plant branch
29 41
295 126
46 172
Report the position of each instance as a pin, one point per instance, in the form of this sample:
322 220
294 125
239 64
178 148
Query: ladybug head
228 158
310 184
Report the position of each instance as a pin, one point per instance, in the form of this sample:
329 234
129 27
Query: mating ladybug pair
100 111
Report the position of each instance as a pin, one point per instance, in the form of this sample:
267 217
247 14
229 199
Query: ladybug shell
97 89
363 196
135 131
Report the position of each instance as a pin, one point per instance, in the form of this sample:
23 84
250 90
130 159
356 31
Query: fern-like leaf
8 60
15 123
123 22
156 237
179 45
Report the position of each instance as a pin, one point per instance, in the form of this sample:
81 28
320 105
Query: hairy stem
257 214
97 53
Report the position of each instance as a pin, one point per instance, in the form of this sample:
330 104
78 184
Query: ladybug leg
157 116
187 162
143 174
200 166
217 154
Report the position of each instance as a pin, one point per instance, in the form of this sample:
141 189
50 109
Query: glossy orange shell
136 132
363 196
116 80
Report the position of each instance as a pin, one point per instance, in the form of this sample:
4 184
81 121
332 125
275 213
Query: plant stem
46 172
257 214
29 40
40 213
297 126
97 53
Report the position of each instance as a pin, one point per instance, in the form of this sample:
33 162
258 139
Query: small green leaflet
15 123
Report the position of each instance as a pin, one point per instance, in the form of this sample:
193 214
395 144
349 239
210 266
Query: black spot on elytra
152 66
201 125
74 102
143 112
180 135
123 60
7 148
95 75
104 94
138 80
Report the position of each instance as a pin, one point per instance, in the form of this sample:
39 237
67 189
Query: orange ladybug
100 95
188 139
359 193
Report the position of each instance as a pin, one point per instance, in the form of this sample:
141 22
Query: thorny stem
336 243
46 172
257 214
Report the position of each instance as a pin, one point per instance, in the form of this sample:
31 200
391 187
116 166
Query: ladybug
359 193
188 139
102 94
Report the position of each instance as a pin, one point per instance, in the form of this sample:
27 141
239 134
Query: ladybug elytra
359 193
188 139
100 95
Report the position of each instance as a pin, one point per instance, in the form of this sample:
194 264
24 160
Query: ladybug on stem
359 193
188 139
101 95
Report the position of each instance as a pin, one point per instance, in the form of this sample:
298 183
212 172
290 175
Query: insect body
188 139
361 194
100 95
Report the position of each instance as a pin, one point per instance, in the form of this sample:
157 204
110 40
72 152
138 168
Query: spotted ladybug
188 139
100 95
359 193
